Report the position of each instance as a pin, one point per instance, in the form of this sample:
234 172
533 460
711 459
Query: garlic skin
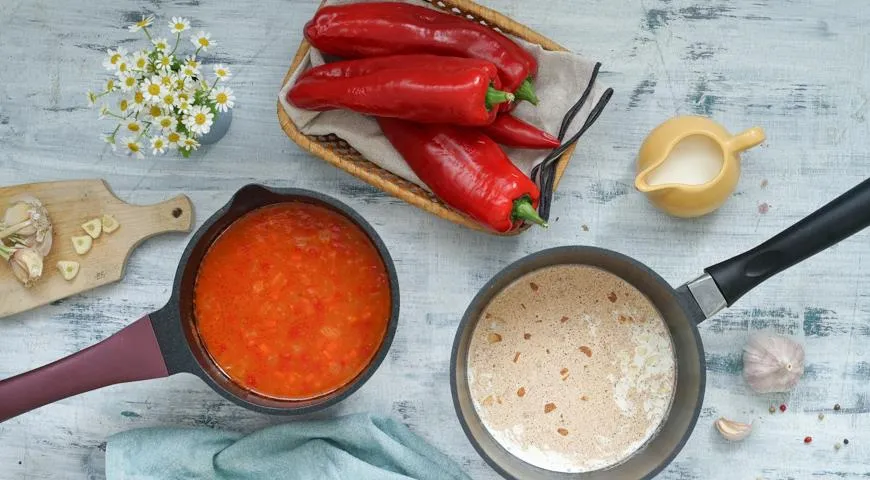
772 363
731 430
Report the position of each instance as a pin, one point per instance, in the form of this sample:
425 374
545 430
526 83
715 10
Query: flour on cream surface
571 369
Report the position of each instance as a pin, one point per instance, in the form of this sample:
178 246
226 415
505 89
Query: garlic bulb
731 430
26 222
772 363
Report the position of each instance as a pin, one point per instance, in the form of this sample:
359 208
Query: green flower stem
177 41
145 29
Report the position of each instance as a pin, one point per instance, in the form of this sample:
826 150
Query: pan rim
508 272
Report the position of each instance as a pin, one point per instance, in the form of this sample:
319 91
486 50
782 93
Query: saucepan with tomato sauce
285 302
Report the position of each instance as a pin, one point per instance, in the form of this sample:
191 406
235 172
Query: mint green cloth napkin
355 447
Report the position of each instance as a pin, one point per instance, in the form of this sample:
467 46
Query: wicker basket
339 153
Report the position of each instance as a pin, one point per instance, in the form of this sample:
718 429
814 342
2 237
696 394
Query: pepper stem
523 210
526 91
494 97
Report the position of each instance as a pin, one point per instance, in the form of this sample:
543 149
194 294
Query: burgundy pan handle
129 355
724 283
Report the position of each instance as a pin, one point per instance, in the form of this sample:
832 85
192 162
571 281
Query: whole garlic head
733 431
772 363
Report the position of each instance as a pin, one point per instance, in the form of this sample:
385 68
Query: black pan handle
842 218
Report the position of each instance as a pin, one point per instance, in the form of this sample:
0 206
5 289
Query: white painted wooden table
797 68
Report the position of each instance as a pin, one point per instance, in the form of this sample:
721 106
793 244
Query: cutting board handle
129 355
173 215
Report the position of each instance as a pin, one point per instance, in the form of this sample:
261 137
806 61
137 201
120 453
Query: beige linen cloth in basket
562 78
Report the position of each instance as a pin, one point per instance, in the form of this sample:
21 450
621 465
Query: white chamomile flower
104 112
175 139
113 57
134 148
155 111
138 102
124 66
183 104
132 126
110 139
158 145
182 83
139 61
92 99
168 100
127 82
199 119
111 85
167 79
161 44
223 98
179 24
188 71
166 123
165 62
144 23
153 89
190 144
202 41
124 105
191 61
222 73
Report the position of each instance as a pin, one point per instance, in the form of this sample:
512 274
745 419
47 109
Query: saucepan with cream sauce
580 363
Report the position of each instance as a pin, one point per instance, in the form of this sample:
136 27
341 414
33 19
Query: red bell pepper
377 29
468 171
457 91
513 132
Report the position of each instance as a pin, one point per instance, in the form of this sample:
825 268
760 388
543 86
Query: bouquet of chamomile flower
166 102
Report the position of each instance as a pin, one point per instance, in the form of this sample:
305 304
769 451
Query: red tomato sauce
292 301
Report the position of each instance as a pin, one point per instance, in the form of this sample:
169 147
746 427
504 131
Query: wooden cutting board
70 204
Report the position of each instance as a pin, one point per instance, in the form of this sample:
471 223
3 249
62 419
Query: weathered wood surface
797 68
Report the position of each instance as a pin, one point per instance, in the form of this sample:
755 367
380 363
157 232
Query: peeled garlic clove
26 216
26 264
82 244
109 223
68 269
731 430
93 228
772 363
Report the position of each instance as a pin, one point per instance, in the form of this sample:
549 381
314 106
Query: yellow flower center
174 137
115 58
154 111
158 144
122 67
179 26
165 122
221 98
154 89
133 127
221 72
168 100
134 147
166 81
130 81
110 85
143 23
139 98
199 118
165 61
123 105
141 62
183 97
203 41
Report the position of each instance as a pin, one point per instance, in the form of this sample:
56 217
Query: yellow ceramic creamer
689 166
